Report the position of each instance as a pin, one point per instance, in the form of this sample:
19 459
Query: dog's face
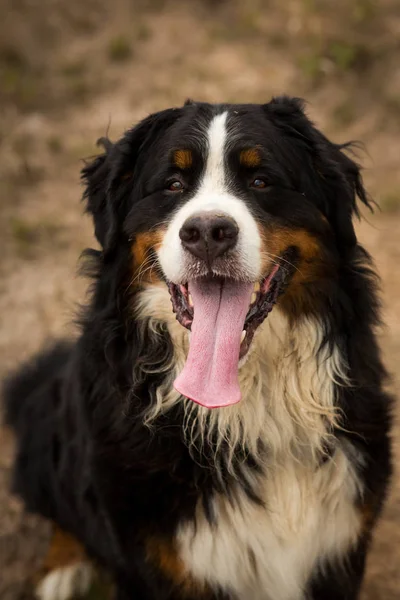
234 208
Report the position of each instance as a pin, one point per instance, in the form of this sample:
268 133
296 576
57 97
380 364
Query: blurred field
70 71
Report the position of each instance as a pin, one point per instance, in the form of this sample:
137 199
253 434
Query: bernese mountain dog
220 428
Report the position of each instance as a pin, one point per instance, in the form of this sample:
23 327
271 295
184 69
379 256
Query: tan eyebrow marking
183 159
250 158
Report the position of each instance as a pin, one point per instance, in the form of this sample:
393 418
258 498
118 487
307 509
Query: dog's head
234 208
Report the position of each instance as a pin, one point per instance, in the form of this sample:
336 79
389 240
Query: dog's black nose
208 235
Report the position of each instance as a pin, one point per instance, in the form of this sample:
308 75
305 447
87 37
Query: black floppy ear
342 184
333 179
108 178
95 176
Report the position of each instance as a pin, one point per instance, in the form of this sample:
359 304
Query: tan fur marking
276 241
183 159
64 551
143 266
250 158
164 554
311 267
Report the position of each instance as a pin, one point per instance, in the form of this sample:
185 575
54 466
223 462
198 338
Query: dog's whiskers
266 254
146 267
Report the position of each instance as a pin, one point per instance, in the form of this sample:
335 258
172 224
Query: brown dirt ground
71 71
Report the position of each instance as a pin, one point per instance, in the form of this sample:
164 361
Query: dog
220 427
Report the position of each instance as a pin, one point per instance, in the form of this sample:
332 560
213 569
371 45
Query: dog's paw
66 583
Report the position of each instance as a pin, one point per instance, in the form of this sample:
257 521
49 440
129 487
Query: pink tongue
210 375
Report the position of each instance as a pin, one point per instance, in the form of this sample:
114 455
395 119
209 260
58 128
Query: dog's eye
175 186
258 183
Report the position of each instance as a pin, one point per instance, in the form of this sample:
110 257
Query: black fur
85 459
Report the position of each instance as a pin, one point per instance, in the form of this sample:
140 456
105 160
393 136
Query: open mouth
262 300
223 315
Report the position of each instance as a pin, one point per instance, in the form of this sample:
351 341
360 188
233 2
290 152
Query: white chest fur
288 386
268 553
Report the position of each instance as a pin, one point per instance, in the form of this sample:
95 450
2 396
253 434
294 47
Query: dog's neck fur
288 385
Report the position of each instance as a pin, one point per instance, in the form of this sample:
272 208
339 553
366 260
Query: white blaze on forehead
215 170
213 194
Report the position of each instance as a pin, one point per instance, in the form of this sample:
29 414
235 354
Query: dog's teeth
190 300
243 335
256 286
253 298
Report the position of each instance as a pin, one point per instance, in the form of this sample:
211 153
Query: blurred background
70 71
